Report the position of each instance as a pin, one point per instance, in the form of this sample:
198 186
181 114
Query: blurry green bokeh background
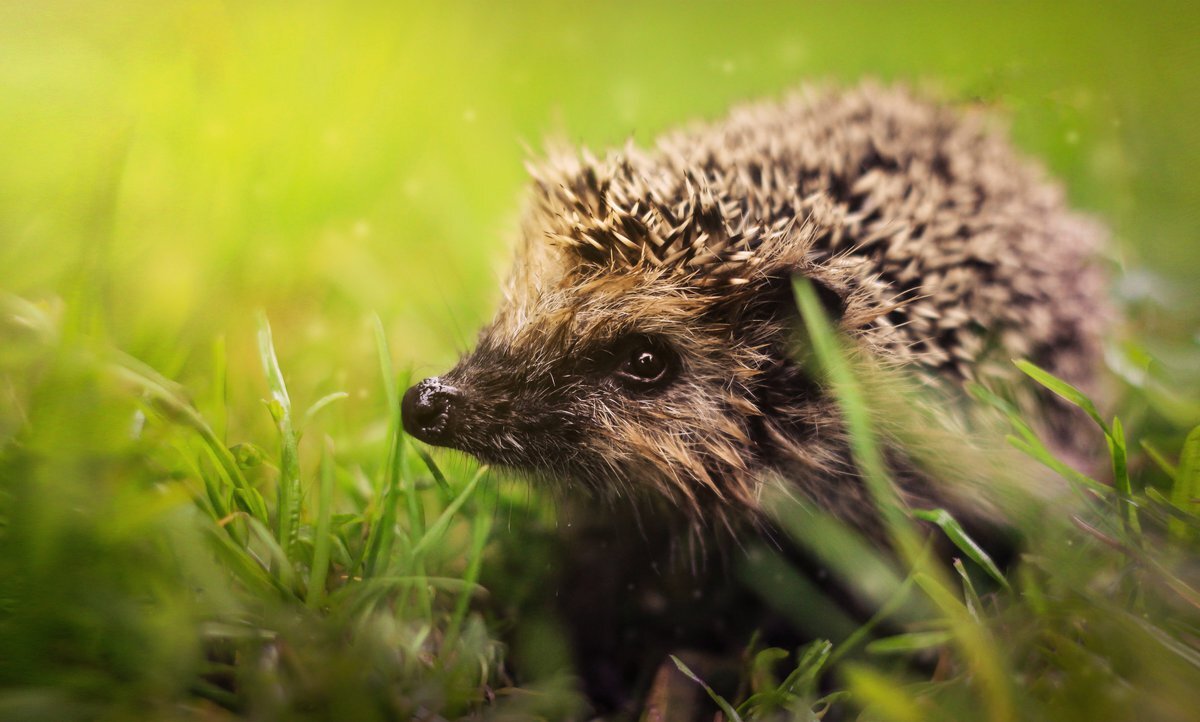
169 167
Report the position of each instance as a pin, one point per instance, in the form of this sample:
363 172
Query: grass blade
972 638
1159 459
909 643
857 418
321 536
1186 488
1120 466
886 610
956 534
813 659
1036 450
279 563
220 385
289 492
970 596
1167 509
390 391
244 566
1029 444
382 533
882 697
481 527
1063 390
440 525
438 476
168 400
730 713
320 404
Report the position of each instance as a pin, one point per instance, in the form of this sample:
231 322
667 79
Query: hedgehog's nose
428 411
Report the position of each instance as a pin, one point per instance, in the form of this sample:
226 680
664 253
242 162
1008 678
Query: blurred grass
169 169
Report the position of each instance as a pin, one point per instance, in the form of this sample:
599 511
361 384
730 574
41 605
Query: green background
181 164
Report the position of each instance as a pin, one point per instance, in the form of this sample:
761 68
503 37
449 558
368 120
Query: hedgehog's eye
645 363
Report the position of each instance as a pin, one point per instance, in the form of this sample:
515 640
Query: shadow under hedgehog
644 352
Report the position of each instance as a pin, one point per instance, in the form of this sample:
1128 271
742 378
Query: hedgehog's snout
430 411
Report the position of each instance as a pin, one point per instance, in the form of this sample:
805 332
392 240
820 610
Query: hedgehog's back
962 251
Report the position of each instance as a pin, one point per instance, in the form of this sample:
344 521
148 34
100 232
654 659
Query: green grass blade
1064 390
279 563
855 411
1121 481
882 697
321 535
1164 505
439 526
1186 490
973 639
390 391
244 566
762 671
1037 451
889 608
1028 443
266 353
1160 460
970 596
220 385
169 401
354 599
280 405
438 476
481 527
212 500
726 708
251 499
793 594
382 532
956 534
938 593
813 660
1187 653
909 643
320 404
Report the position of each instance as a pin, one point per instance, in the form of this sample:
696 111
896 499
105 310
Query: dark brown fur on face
936 246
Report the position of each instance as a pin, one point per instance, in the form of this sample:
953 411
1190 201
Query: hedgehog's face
621 381
641 344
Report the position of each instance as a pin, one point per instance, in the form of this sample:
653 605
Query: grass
206 514
295 608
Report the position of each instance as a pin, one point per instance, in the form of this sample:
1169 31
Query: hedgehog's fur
937 246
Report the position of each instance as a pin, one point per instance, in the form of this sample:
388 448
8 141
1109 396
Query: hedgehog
645 348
